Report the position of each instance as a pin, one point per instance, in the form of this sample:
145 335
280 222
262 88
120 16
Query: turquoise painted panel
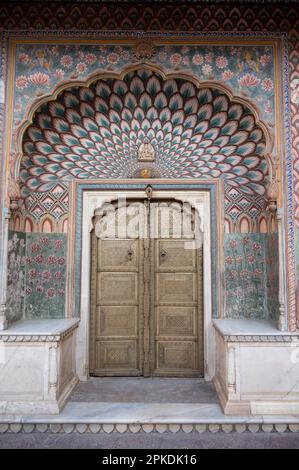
15 276
45 275
245 276
251 276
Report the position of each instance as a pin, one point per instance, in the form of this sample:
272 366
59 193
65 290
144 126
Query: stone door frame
93 200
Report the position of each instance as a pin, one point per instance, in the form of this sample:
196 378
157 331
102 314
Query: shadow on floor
145 390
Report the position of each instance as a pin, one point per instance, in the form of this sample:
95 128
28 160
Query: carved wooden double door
146 294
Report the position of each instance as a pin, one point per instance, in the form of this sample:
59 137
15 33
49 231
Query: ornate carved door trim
146 299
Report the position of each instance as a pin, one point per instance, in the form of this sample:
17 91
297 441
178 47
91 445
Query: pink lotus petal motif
21 82
227 75
248 80
39 79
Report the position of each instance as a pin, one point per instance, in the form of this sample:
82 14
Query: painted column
282 322
3 273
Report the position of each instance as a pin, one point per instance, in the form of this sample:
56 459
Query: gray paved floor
221 440
145 390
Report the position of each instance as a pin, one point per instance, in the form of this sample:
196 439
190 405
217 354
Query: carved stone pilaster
14 194
272 192
282 322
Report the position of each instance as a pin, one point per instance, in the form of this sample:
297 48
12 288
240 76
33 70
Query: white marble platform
126 413
228 327
39 327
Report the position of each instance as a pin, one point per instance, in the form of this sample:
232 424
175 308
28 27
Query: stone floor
141 413
168 440
145 390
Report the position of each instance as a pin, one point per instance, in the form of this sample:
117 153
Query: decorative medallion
146 152
144 51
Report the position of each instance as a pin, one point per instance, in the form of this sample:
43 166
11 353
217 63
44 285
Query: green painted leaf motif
120 88
170 88
246 123
219 119
78 131
153 87
246 149
89 125
55 157
44 147
235 112
87 110
103 90
220 104
60 125
72 116
251 162
212 133
45 121
71 101
229 128
57 110
86 94
36 171
204 96
160 101
187 90
137 87
205 112
28 147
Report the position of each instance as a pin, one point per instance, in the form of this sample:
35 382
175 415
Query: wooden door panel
146 304
116 321
116 299
118 255
117 288
171 255
176 358
176 288
176 321
117 357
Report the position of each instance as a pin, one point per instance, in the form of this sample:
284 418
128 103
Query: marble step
146 417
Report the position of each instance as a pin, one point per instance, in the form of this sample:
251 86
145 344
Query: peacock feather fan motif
96 132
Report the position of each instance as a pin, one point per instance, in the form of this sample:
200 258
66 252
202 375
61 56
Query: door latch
130 254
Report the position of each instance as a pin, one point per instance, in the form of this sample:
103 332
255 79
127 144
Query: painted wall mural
36 276
16 276
194 17
247 70
97 132
45 276
251 278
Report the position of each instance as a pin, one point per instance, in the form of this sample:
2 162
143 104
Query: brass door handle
163 254
130 254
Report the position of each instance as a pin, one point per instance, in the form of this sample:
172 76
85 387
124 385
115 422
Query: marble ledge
125 413
39 330
253 331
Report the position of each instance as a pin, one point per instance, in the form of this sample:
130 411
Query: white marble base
37 366
145 417
257 368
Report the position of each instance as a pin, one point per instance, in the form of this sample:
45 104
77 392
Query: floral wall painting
251 276
247 70
15 276
45 276
36 276
96 131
